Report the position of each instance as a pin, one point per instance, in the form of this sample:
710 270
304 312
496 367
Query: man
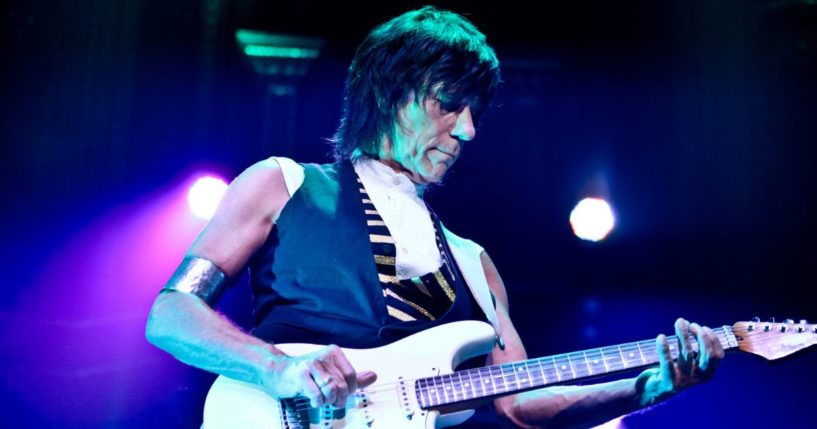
349 254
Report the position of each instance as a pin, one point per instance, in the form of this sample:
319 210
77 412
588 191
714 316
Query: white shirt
404 212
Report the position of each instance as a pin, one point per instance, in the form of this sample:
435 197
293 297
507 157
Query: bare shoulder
244 218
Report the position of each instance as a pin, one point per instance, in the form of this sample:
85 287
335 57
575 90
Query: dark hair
420 52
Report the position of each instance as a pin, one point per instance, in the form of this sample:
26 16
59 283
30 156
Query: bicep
244 218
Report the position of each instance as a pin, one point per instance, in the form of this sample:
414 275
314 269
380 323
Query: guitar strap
467 254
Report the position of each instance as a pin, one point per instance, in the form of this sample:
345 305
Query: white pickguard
390 403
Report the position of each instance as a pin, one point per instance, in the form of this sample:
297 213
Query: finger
714 352
684 342
365 378
344 368
664 356
337 364
310 390
324 382
702 356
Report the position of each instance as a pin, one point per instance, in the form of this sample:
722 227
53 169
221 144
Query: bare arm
186 327
591 405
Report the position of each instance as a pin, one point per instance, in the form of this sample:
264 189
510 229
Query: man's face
428 138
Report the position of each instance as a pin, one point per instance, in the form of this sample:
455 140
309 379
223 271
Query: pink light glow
78 330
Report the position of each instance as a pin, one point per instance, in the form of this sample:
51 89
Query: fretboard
498 380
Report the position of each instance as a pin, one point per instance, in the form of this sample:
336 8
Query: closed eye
450 107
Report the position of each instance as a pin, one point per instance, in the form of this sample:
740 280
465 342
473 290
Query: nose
464 127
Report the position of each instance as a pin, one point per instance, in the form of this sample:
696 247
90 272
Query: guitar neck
514 377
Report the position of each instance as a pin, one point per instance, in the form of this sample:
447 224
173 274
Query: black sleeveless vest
315 278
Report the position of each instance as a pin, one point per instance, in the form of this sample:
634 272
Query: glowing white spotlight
204 196
592 219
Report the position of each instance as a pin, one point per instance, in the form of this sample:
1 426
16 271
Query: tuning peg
803 326
785 325
756 319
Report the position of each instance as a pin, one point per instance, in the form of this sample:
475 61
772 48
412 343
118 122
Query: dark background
697 120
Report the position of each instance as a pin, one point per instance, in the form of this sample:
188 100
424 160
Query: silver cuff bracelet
199 277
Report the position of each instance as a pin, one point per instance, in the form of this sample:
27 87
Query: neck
512 377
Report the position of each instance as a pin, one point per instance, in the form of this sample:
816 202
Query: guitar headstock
774 340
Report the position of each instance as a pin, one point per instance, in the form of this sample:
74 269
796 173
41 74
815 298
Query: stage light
592 219
279 56
280 51
204 196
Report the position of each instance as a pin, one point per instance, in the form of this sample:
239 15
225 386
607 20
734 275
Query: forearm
184 326
578 406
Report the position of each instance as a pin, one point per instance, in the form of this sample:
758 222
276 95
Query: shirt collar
377 172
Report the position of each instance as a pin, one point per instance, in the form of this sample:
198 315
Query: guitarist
349 254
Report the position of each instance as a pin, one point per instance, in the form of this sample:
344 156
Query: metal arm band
199 277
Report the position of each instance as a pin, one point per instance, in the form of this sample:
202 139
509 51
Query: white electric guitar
416 386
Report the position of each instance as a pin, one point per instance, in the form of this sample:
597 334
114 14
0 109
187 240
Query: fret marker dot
519 369
596 362
487 381
467 384
631 355
564 367
448 387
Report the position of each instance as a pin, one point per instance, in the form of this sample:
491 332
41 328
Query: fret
563 370
511 382
450 387
570 363
522 369
631 357
604 361
499 379
463 385
556 367
430 392
587 362
468 392
641 353
623 361
423 390
597 361
439 390
649 352
476 381
613 358
554 370
487 381
579 362
542 371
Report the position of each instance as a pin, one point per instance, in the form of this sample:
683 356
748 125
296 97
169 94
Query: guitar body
390 403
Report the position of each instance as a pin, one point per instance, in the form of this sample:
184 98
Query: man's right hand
324 377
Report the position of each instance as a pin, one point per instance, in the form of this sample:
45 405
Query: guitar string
536 376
